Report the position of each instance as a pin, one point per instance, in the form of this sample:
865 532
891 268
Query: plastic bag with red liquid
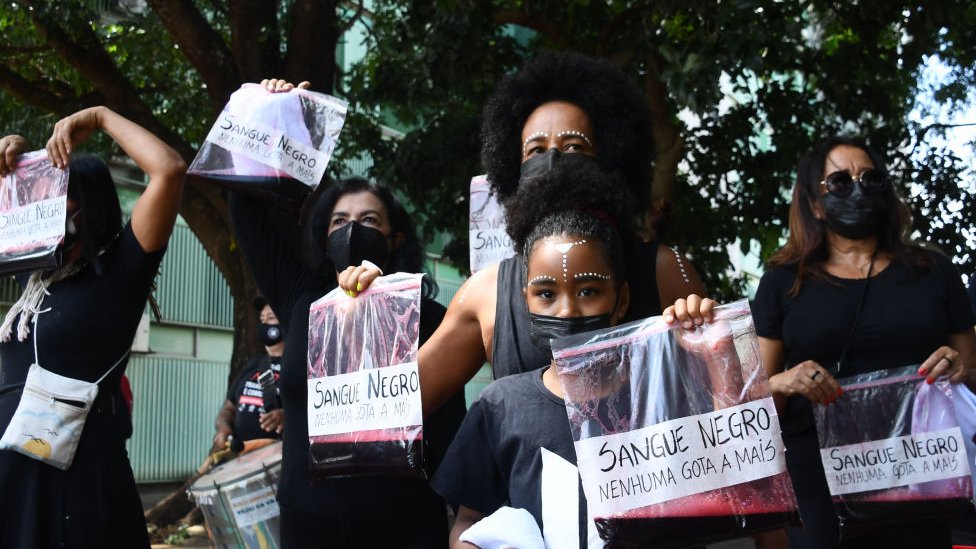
893 452
274 146
33 208
364 408
677 438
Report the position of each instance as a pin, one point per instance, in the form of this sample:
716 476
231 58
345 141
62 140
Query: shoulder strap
99 380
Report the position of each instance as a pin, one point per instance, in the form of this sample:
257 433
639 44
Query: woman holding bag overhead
78 322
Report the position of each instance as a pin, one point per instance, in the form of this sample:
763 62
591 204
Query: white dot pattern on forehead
681 265
542 278
574 133
598 276
532 136
563 248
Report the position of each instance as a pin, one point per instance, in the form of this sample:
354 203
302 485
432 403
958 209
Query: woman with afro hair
561 108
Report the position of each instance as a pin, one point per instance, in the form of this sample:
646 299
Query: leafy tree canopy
739 89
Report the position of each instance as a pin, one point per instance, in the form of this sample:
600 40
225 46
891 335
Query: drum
238 500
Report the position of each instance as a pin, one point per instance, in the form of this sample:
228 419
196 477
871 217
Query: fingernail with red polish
929 381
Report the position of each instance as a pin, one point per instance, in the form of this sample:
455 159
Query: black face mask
855 216
270 334
543 329
353 243
543 163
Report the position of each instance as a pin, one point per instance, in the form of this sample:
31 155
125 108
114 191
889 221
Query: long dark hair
807 249
91 185
408 257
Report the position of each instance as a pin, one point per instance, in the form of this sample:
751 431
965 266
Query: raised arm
457 350
155 212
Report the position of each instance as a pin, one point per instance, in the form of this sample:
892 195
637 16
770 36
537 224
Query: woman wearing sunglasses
849 294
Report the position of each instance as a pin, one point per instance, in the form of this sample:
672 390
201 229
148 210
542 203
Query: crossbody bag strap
857 314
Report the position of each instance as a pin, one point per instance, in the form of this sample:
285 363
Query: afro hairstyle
581 187
618 110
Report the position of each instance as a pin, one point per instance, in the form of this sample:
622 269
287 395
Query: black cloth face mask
855 216
270 334
354 242
543 163
543 329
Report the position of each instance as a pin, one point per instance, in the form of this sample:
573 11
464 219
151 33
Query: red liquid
726 513
373 457
858 517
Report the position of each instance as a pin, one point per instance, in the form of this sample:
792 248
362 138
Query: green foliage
748 86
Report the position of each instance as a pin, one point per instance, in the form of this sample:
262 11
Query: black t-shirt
247 395
290 289
906 316
515 448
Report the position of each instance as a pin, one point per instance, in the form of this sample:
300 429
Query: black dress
512 349
338 512
906 316
90 325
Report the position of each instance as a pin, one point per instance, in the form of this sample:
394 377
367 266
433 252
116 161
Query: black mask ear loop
857 317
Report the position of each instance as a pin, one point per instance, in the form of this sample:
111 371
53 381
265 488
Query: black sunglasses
841 183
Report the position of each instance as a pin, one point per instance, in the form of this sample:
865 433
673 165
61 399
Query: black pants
303 530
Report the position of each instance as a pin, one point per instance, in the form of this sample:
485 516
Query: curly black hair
618 110
578 186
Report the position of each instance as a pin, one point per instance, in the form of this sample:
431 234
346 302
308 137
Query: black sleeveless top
512 349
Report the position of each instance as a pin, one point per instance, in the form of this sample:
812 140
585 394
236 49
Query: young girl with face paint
515 447
561 109
849 294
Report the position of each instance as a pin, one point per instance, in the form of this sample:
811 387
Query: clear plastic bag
33 205
364 408
677 438
893 452
272 145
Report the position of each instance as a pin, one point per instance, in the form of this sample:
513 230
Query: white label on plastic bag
25 226
378 398
269 146
897 461
681 457
488 241
254 507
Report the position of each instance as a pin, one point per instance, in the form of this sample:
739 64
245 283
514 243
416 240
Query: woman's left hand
690 312
945 361
70 131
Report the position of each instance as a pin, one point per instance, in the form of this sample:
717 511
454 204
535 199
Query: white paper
255 507
897 461
488 241
680 457
371 399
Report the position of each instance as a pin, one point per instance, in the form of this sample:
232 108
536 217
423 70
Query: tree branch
254 38
202 46
668 144
36 93
360 10
314 30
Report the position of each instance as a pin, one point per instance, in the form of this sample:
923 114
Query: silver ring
815 374
945 358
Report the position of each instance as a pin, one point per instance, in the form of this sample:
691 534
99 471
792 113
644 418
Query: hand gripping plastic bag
677 438
893 452
33 205
272 145
364 408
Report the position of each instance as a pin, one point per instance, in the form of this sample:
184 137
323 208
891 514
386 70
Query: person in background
247 413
